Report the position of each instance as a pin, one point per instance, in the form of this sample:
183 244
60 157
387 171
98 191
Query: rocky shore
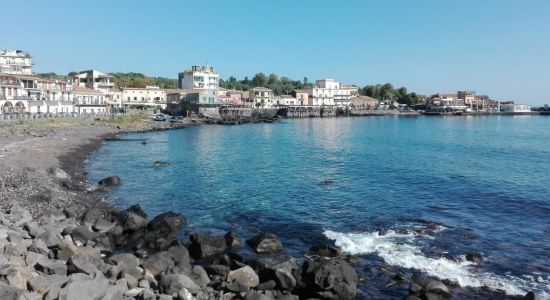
37 158
59 241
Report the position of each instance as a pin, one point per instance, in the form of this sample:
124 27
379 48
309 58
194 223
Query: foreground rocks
85 253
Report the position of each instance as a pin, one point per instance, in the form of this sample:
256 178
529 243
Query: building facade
15 62
203 79
89 101
303 97
150 96
96 80
260 97
329 92
284 100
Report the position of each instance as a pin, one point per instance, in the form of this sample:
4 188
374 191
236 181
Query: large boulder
158 263
168 222
85 289
329 279
133 218
428 288
203 245
82 234
84 263
171 284
245 276
232 240
51 266
110 181
43 283
16 276
281 272
265 243
8 292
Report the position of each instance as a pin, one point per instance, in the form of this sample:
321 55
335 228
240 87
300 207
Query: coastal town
23 94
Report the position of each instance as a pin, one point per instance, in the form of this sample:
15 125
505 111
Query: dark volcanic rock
158 263
323 251
158 164
427 288
531 296
265 243
169 222
232 240
329 279
203 245
83 234
110 181
474 257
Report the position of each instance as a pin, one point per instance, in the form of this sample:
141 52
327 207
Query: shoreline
72 159
33 160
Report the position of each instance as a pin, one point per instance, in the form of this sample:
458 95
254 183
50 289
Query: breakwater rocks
85 253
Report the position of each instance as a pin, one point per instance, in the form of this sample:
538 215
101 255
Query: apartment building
90 101
260 97
15 62
203 79
151 96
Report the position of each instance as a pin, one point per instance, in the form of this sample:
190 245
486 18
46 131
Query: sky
499 48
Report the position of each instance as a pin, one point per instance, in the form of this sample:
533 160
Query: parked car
158 118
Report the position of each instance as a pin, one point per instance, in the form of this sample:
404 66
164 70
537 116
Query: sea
398 195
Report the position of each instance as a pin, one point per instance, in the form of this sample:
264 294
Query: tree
272 79
305 80
259 79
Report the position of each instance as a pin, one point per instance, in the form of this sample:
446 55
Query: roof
302 91
177 91
143 89
85 90
358 100
95 73
234 92
348 86
261 89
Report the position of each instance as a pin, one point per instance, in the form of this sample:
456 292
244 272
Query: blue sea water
370 186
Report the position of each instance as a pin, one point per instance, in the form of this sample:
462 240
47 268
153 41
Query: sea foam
401 249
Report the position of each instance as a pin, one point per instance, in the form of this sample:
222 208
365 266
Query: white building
151 96
515 108
27 94
15 62
203 79
89 101
96 80
331 92
284 100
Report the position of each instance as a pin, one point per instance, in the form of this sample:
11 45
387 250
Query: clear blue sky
495 47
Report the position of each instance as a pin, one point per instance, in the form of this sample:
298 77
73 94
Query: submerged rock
110 181
158 164
265 243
